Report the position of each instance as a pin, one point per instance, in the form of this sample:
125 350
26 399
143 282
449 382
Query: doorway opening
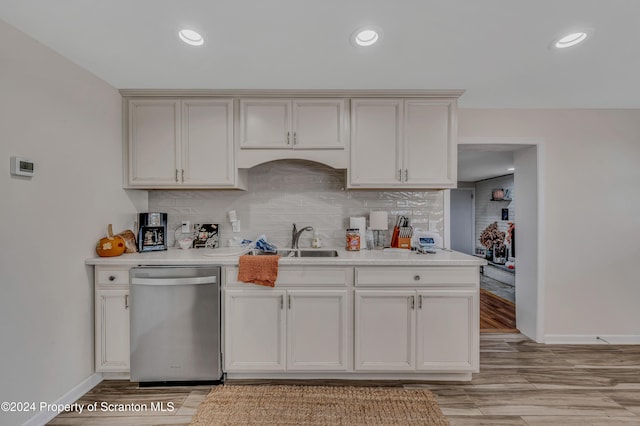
497 197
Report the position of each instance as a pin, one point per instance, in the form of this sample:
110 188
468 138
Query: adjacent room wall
588 197
488 211
69 123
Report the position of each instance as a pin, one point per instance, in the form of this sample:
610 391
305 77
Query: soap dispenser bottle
369 238
315 242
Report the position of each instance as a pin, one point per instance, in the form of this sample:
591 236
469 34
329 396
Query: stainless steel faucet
295 235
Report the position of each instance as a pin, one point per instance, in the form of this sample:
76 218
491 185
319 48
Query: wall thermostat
22 167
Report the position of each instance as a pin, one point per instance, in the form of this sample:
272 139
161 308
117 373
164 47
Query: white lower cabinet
367 322
416 330
385 324
112 320
286 330
254 330
446 339
317 330
303 325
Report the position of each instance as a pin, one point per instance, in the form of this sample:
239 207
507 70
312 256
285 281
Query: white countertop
229 256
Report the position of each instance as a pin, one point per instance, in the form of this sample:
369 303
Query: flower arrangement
511 238
492 236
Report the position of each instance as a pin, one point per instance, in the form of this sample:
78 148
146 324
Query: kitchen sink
297 253
283 253
317 253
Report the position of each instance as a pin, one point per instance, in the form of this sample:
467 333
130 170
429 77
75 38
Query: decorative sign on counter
206 235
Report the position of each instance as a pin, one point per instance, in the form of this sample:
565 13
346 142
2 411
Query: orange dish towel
261 270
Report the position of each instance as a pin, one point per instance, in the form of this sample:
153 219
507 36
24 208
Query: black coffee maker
152 232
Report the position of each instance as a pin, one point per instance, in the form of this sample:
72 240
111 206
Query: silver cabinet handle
177 175
400 175
413 302
420 302
406 175
295 138
126 301
289 301
416 277
282 301
288 133
183 175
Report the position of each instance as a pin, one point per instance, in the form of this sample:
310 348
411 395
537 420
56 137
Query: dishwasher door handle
174 281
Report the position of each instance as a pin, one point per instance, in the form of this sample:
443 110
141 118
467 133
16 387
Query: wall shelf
502 199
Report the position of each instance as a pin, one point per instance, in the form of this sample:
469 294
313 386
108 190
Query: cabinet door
376 134
112 331
254 330
207 142
319 124
384 330
265 123
317 326
429 145
447 331
154 131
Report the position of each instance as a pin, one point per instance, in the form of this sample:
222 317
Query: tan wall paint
591 205
68 122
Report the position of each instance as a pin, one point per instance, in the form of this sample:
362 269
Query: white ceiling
495 49
478 162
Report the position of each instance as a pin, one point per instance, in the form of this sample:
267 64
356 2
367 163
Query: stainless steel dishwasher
175 324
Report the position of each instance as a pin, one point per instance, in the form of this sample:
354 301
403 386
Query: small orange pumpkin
111 245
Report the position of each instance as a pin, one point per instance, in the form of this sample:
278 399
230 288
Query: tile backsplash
281 193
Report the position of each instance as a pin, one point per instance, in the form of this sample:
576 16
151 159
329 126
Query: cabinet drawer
301 276
112 276
417 276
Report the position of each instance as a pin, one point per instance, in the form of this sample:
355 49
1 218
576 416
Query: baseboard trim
70 397
591 339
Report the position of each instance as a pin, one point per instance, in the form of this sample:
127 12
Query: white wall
591 209
68 122
462 220
528 317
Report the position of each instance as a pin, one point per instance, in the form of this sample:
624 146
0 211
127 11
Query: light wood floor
520 383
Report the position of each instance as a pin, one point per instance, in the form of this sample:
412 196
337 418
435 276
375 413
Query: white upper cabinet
293 124
376 135
319 124
203 139
430 143
182 143
265 123
154 134
396 143
207 142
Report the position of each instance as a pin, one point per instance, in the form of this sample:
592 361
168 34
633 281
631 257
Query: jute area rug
318 405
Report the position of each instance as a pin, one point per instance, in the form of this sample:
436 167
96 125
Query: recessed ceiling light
570 39
366 36
510 169
191 37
